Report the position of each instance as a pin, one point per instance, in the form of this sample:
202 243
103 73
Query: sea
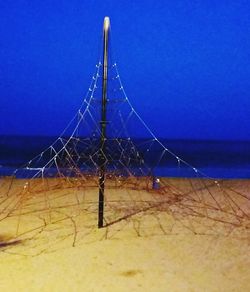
216 159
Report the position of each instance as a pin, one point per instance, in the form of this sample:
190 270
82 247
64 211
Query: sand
153 250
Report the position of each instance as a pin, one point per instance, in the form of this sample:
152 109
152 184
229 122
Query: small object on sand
156 183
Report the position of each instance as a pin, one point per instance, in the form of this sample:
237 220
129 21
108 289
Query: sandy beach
152 242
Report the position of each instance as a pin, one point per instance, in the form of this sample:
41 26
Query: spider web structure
55 195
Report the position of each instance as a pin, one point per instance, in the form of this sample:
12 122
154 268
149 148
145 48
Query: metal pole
102 158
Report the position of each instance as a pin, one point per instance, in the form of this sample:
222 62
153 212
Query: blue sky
185 65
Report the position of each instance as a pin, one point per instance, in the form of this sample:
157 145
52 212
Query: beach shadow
127 216
5 241
156 206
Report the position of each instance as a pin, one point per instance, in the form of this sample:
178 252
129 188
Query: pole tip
106 23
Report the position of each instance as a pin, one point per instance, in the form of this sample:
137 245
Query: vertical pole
102 158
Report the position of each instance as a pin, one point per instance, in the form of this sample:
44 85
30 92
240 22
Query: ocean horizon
216 159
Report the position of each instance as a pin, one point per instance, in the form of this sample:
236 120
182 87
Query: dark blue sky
184 64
